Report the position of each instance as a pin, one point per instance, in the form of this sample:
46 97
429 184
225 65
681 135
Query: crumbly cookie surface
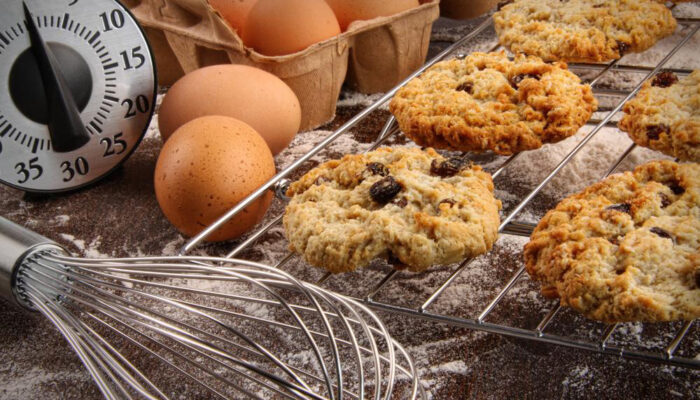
488 102
582 30
626 248
665 115
412 207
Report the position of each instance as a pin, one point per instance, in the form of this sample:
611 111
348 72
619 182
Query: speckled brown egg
279 27
249 94
206 167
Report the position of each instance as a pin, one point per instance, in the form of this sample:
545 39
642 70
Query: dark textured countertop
119 216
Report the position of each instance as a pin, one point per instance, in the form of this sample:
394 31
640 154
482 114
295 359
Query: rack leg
673 346
547 319
500 296
444 286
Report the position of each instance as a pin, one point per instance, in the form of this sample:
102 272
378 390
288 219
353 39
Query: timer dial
77 91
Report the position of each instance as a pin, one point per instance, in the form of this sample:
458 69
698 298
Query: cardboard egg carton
372 55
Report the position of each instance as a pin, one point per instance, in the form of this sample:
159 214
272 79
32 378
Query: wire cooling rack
599 338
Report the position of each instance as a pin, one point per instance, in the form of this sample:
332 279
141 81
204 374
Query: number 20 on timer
77 91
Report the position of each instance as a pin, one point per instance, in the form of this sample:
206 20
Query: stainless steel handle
17 244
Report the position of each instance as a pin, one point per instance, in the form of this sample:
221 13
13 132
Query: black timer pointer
65 126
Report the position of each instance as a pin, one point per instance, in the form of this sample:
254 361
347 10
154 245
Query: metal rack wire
510 225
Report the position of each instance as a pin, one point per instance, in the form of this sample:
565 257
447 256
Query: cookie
665 115
582 30
626 248
409 206
489 102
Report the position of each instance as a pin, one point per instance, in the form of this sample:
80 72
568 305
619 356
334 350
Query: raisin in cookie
665 116
412 207
582 30
489 102
626 248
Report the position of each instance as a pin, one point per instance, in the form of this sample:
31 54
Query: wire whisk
231 328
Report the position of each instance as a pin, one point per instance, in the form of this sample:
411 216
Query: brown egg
348 11
465 9
251 95
279 27
235 12
208 166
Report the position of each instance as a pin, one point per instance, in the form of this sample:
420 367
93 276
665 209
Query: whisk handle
17 244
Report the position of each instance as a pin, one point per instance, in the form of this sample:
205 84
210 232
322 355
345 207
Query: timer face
77 91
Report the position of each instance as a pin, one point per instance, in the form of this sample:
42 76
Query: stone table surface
119 216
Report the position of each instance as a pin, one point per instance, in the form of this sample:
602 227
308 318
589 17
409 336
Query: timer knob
27 88
66 129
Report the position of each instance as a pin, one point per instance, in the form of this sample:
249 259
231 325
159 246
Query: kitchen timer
77 91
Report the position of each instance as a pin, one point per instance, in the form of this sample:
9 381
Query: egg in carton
373 55
466 9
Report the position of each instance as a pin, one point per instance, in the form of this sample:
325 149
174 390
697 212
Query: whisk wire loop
220 333
186 360
112 308
69 328
207 268
194 305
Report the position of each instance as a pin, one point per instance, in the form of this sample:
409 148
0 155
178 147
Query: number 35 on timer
77 91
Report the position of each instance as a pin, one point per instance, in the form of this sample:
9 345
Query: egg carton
372 56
